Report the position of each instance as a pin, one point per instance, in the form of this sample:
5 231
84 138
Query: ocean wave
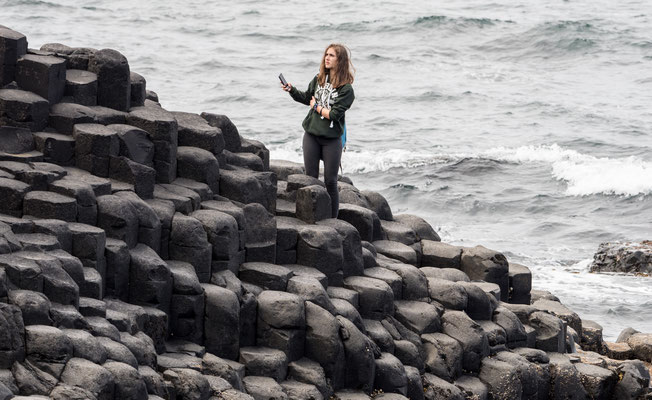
584 174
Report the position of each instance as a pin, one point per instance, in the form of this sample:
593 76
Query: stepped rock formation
148 254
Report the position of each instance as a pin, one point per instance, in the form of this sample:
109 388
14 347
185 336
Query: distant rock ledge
148 254
629 257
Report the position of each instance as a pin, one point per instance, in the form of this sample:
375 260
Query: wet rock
634 382
550 331
629 257
113 84
591 336
598 382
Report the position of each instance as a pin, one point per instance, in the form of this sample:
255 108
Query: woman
329 95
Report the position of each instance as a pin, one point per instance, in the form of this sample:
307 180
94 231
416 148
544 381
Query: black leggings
317 148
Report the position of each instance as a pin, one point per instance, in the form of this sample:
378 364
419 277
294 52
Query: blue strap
344 136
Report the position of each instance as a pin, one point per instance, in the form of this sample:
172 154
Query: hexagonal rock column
163 132
12 345
94 145
260 232
83 194
117 269
223 235
470 335
50 205
423 229
222 322
323 343
313 204
287 232
363 219
142 177
247 187
520 284
12 192
43 75
396 250
15 140
23 109
118 218
281 323
134 144
12 46
194 131
138 89
360 352
232 140
199 165
487 265
187 307
320 247
113 85
81 87
150 279
56 148
188 242
63 116
375 296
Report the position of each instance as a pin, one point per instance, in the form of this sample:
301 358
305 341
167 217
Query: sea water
522 126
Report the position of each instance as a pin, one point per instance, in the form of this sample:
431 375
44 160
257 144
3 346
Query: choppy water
523 127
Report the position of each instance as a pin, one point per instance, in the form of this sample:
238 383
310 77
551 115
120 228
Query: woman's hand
287 87
312 102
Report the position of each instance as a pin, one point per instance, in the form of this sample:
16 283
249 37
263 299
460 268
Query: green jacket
338 100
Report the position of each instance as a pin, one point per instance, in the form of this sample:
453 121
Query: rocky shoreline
148 254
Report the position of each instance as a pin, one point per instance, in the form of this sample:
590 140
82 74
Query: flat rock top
20 95
152 114
49 197
10 34
80 76
47 60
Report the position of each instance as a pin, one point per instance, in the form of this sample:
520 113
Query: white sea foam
584 174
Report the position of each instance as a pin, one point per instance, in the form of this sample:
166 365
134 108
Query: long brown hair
343 72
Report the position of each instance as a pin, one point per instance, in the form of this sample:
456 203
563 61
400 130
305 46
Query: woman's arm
298 95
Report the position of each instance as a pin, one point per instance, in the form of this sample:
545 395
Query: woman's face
330 58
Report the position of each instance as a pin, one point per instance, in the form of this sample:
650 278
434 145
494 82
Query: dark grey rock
141 346
257 148
323 343
414 284
419 316
232 140
309 372
436 388
396 250
635 380
31 380
440 255
550 331
16 140
641 344
64 116
118 218
86 345
81 87
13 45
283 168
398 232
443 355
47 347
189 242
470 335
247 187
222 322
565 381
380 335
223 235
13 192
128 382
261 387
34 306
67 392
423 230
58 286
23 109
56 148
346 310
349 295
375 296
137 177
364 220
298 391
360 353
200 165
138 90
490 266
12 335
150 280
86 374
310 289
390 375
195 131
313 204
116 351
263 361
623 257
113 85
520 283
50 205
450 294
352 262
267 276
67 316
231 371
43 75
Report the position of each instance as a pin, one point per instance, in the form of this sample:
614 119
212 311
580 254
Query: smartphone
283 81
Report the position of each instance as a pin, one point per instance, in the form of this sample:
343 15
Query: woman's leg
311 155
332 155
